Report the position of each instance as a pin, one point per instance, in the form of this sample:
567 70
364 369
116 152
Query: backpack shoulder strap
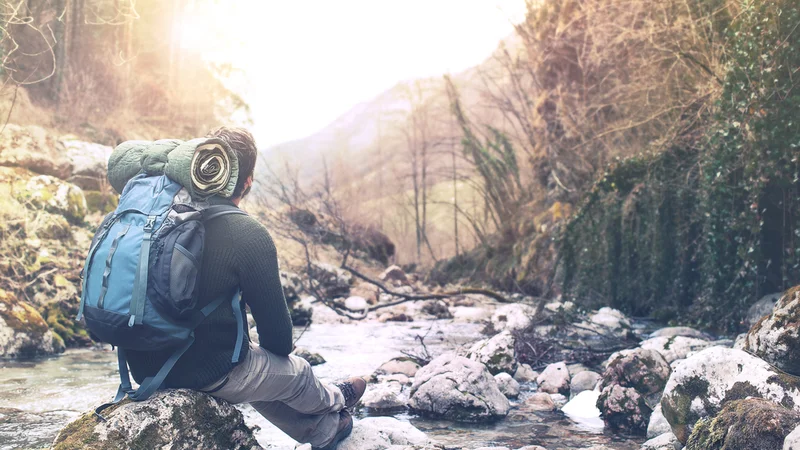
151 384
215 211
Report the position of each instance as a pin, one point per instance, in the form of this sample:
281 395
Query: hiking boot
352 389
344 430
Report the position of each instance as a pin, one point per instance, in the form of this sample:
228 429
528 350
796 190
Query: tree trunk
455 201
63 36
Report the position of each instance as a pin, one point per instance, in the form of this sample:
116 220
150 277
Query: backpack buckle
150 224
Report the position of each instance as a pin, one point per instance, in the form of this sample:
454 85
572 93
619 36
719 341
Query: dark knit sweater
238 254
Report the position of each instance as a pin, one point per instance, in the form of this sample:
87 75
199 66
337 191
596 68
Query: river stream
37 398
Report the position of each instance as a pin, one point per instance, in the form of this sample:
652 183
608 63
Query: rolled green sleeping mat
204 166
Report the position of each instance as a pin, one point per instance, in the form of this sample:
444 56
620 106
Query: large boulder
606 322
611 319
373 242
507 384
496 353
89 164
456 388
540 401
315 359
792 441
752 423
776 337
624 409
23 331
761 308
642 369
666 441
174 419
658 424
34 149
704 383
512 317
524 374
394 275
630 389
333 281
584 380
402 365
675 347
385 433
554 379
384 397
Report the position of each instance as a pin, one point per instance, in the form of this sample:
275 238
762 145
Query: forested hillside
639 154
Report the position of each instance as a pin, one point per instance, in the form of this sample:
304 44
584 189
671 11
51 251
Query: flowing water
37 398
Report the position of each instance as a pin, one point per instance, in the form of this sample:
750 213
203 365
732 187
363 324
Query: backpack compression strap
140 280
151 384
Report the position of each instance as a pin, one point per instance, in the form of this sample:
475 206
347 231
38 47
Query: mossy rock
101 202
50 226
60 317
23 331
175 419
624 409
13 214
702 385
496 353
53 195
642 369
775 338
745 424
314 359
301 316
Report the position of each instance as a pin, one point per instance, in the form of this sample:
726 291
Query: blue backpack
140 278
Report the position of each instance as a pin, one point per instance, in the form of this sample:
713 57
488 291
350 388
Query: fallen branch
413 297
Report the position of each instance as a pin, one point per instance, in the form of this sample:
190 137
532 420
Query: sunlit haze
304 63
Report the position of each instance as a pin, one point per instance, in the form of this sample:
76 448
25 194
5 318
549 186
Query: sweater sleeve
259 279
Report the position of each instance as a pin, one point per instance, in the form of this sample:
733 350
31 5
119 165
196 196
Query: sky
303 63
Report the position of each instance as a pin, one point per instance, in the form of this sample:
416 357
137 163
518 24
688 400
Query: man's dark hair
241 142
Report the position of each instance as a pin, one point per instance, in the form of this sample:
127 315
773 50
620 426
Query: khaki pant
286 392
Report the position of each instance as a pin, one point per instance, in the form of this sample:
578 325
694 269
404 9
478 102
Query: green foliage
713 222
751 171
495 160
632 244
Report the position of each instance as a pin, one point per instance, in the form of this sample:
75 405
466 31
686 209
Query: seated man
239 254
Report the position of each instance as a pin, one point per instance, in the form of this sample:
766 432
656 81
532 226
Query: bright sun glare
306 62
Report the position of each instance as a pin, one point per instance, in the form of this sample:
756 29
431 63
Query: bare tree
314 218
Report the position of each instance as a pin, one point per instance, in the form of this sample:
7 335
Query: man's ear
248 184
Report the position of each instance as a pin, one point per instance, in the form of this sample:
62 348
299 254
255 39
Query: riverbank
42 396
